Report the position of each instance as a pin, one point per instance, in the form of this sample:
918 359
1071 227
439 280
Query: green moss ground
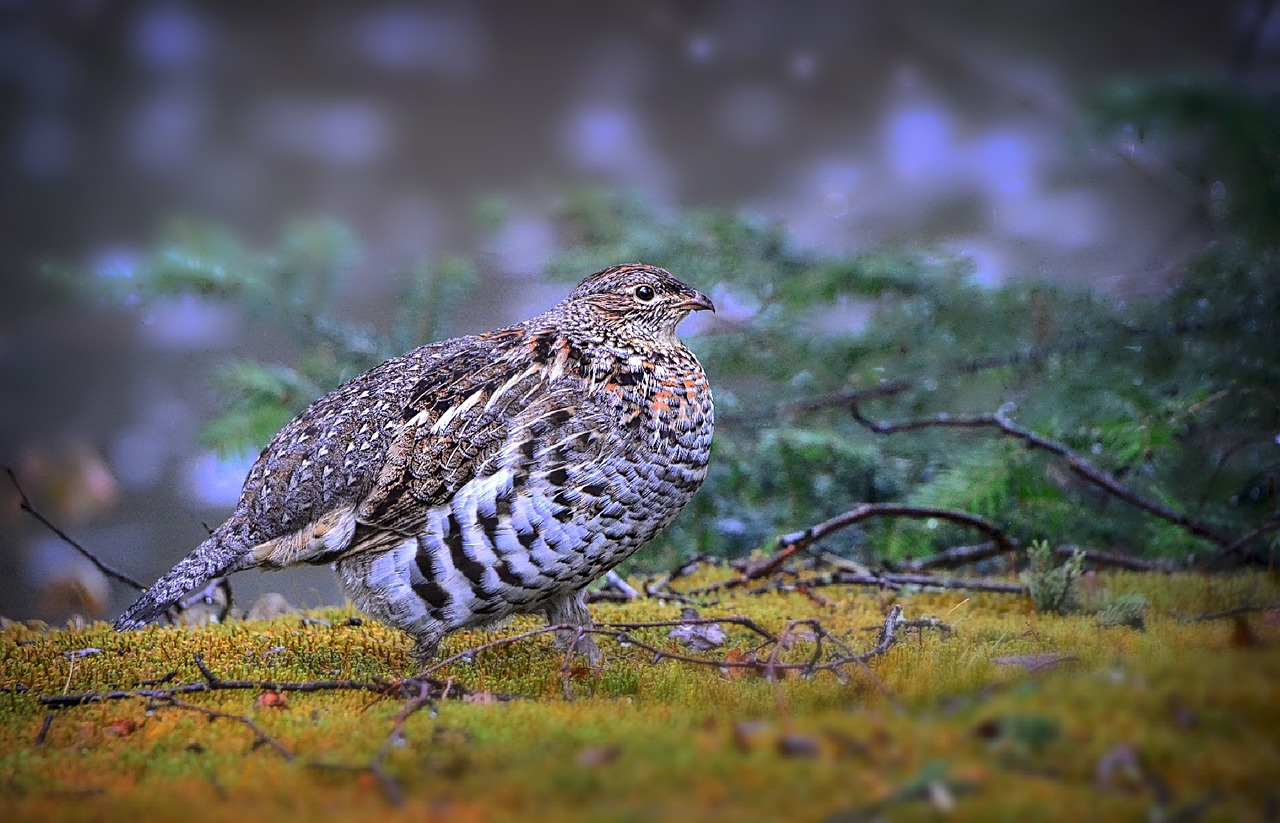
1198 705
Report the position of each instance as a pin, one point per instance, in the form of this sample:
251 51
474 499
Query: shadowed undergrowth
1014 713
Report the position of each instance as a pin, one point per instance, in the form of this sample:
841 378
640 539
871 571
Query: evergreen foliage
1177 397
1052 588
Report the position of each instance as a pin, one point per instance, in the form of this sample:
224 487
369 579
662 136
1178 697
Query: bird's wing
301 496
526 421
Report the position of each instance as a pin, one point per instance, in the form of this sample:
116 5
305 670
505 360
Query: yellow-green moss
668 740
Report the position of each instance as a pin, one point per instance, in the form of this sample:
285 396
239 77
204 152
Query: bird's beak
697 301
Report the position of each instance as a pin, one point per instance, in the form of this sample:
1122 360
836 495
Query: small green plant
1053 588
1128 609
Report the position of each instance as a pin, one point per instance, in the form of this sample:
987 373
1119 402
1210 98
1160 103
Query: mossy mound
1013 715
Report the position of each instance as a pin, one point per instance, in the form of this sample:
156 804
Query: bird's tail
213 558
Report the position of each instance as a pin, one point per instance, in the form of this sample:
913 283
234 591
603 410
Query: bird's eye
645 293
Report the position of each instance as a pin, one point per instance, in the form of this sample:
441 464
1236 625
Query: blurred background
431 132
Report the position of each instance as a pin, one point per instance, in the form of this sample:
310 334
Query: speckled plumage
484 476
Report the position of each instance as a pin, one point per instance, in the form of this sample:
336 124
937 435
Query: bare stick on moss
1075 463
791 544
735 620
262 738
391 789
426 696
407 688
24 503
43 734
660 587
620 632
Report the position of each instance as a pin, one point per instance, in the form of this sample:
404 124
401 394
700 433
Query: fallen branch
892 581
411 687
621 633
795 542
790 543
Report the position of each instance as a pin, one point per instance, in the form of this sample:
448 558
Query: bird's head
637 303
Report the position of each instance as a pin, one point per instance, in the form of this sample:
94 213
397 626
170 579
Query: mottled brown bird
483 476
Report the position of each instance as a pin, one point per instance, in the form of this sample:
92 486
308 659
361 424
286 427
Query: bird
483 476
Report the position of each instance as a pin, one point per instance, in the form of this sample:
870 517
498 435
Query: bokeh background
955 126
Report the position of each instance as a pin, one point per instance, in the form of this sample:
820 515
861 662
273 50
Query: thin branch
1097 557
952 557
736 620
1265 528
791 544
889 580
43 734
213 714
612 578
964 555
25 504
1075 463
469 654
1233 612
410 688
802 539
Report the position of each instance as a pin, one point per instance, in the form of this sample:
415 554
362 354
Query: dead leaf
698 637
271 700
736 656
121 727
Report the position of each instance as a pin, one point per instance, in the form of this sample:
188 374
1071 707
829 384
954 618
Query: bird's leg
569 609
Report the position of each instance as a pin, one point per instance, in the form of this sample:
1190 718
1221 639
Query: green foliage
1052 588
296 289
1128 609
1175 397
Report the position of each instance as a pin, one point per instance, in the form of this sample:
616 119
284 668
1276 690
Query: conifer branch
1075 463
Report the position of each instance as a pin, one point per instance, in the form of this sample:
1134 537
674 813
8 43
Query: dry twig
24 503
262 738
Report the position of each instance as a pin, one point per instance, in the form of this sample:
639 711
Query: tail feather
213 558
